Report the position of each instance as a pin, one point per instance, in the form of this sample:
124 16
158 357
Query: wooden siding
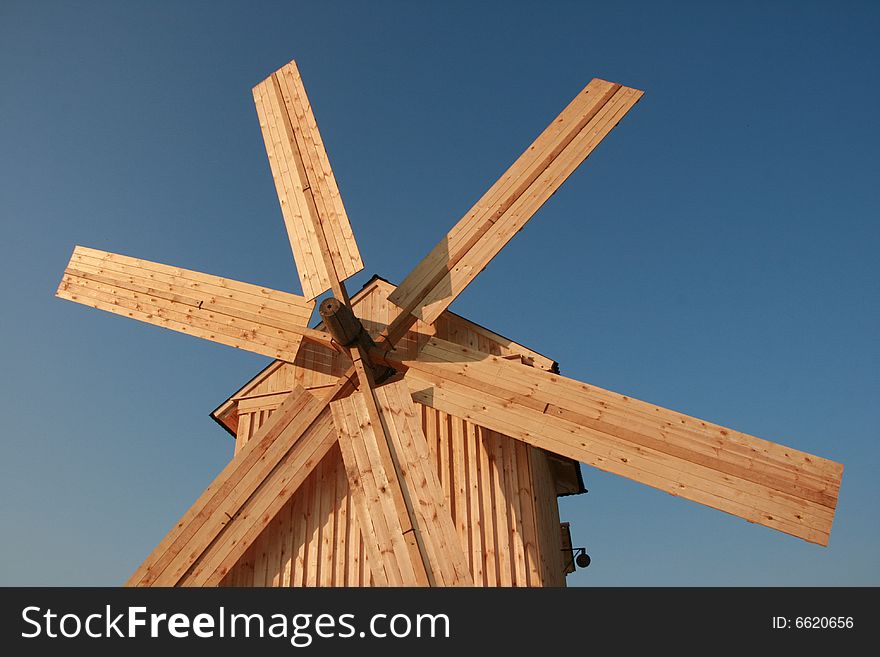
500 492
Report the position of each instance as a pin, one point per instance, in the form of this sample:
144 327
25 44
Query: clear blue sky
718 253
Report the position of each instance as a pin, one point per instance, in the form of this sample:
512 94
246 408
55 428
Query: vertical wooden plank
289 574
444 557
490 563
260 560
328 519
353 540
502 531
511 493
314 532
459 504
475 512
341 527
244 431
527 510
387 504
548 518
443 464
430 416
273 552
364 490
300 535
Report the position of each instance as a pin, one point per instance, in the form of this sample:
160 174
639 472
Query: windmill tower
396 443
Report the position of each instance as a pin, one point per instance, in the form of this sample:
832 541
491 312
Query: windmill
370 389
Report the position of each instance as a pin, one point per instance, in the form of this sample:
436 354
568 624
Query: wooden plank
529 515
210 284
262 506
444 555
500 232
605 452
216 494
729 451
490 539
313 535
364 489
548 520
781 488
262 323
508 204
240 315
459 503
499 510
244 431
328 519
219 508
288 176
273 533
382 456
475 511
166 315
341 526
205 288
316 191
313 145
514 512
246 323
320 233
286 539
300 516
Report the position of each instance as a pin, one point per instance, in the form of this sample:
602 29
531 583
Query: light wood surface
317 225
226 518
236 314
340 540
511 202
755 479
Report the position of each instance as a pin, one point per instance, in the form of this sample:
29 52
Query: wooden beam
229 515
511 202
236 314
443 551
373 480
317 225
758 480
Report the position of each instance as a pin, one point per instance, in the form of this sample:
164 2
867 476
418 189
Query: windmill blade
376 469
511 202
763 482
242 500
236 314
318 228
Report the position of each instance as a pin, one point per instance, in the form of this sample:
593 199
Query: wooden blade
245 496
320 234
240 315
388 453
755 479
511 202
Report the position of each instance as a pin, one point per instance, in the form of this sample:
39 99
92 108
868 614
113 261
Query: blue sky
716 255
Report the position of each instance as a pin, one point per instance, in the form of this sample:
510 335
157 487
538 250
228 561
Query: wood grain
503 210
317 225
758 480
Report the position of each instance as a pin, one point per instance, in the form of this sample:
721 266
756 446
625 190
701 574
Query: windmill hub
341 322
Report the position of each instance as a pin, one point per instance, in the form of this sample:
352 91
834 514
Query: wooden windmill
397 443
